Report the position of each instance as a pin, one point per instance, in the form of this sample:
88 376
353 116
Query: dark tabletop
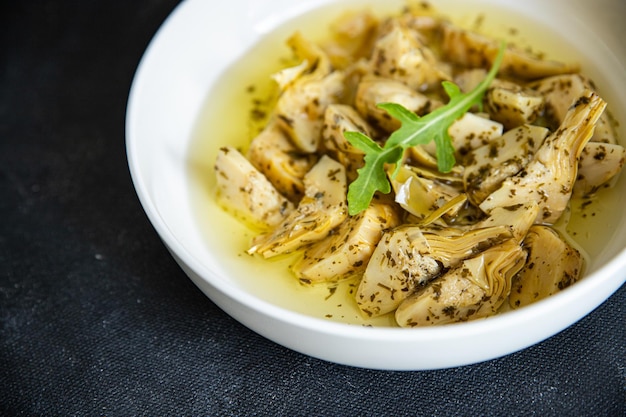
97 319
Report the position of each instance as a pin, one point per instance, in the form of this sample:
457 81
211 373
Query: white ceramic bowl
184 74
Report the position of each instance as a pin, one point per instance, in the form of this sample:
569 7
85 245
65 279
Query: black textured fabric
97 319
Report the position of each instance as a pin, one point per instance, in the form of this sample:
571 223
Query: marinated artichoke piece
314 65
352 36
421 196
604 132
473 130
322 208
469 132
599 163
518 218
374 90
345 252
273 154
300 109
447 214
489 165
474 50
341 118
552 265
419 157
409 257
549 178
451 178
242 189
560 91
305 91
475 289
466 133
512 105
423 19
395 270
468 79
399 54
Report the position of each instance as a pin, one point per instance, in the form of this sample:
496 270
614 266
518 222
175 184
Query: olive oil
237 108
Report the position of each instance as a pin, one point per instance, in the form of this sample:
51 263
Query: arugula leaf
414 130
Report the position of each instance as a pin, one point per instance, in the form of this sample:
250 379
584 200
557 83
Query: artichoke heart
409 257
338 119
242 189
322 208
353 34
373 90
489 165
399 54
474 289
519 218
300 109
473 50
553 264
513 105
599 163
272 153
559 93
306 90
314 63
421 196
346 251
469 132
549 178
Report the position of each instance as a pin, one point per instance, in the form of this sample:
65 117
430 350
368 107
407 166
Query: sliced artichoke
468 79
341 118
473 130
273 154
473 50
469 132
300 109
421 196
513 105
560 91
519 218
474 289
409 257
552 265
346 251
423 18
399 54
604 132
338 119
322 208
599 163
352 36
395 270
489 165
549 178
314 63
306 90
242 189
374 90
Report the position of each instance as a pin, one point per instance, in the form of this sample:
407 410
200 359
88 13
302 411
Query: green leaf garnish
414 130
